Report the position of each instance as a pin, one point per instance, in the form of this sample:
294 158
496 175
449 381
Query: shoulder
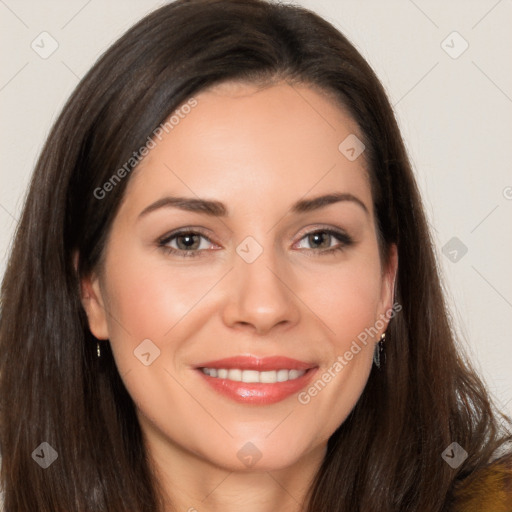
489 488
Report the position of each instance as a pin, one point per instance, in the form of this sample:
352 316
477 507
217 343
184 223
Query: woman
173 338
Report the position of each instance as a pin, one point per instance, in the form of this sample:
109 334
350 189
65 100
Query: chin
258 454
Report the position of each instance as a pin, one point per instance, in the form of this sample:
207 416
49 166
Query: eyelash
345 241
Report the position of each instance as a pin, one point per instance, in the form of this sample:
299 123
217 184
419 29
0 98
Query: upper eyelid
182 231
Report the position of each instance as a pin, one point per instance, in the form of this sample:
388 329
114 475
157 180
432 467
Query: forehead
251 143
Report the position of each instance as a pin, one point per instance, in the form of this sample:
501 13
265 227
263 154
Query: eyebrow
219 209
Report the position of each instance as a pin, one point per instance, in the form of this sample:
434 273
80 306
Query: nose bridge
257 262
260 294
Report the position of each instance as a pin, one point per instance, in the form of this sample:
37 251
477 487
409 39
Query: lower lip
258 393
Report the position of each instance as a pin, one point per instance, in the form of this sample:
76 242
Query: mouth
258 381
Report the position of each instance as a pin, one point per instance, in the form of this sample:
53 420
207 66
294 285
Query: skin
258 150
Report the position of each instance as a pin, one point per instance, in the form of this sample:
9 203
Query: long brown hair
386 456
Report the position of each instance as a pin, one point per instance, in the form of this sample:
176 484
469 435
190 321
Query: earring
379 357
98 349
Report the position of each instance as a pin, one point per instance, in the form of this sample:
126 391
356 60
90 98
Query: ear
93 303
388 279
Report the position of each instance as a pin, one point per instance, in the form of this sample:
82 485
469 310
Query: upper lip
260 364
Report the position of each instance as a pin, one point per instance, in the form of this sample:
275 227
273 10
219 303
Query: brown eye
188 243
322 239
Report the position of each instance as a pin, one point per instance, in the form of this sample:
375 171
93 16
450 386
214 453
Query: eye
188 243
323 237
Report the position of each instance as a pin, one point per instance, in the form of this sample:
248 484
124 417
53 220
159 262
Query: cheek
154 301
151 296
348 303
347 299
148 300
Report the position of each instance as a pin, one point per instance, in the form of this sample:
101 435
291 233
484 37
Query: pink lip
258 393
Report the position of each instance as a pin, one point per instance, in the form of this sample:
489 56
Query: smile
257 381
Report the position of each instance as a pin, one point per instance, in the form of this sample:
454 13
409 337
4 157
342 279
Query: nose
261 294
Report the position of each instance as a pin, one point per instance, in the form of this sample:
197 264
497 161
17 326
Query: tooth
282 375
268 377
235 374
250 376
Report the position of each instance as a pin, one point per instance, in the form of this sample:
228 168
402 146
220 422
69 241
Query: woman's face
260 275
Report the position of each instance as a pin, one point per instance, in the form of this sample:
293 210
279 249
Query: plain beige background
454 106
